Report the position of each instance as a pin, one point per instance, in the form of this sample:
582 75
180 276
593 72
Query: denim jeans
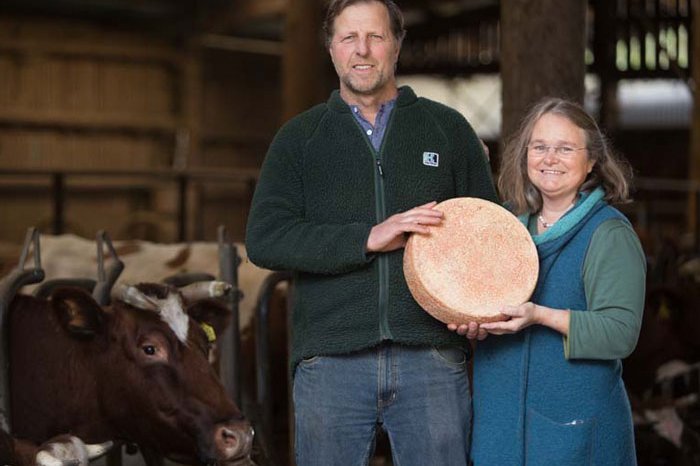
418 395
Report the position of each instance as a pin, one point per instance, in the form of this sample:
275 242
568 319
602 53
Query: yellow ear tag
209 330
664 311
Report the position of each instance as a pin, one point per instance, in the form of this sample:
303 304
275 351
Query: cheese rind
479 259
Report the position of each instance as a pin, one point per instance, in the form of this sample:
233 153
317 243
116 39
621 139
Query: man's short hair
336 7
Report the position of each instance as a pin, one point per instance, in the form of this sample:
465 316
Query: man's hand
389 235
472 330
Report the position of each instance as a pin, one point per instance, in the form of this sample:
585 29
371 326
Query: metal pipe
9 285
59 197
230 341
106 279
262 356
44 290
182 207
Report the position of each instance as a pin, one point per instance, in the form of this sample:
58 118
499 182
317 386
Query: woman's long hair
610 171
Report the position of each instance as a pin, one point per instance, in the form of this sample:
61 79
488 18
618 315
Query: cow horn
131 295
96 450
202 290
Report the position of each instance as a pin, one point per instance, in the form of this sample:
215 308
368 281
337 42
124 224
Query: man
342 186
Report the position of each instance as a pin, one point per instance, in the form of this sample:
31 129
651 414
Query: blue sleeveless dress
532 406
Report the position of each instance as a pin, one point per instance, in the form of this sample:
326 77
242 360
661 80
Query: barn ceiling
262 19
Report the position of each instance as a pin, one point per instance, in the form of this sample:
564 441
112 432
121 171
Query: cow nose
234 440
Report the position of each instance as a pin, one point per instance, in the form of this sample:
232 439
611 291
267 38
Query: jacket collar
406 97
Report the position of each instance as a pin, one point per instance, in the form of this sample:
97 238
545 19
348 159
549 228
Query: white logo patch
431 159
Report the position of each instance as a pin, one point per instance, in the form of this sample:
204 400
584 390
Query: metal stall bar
58 191
182 182
9 285
230 367
102 294
106 279
262 360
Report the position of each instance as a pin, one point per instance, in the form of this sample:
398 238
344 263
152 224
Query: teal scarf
584 204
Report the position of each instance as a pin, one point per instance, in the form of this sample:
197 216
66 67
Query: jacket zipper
383 265
380 212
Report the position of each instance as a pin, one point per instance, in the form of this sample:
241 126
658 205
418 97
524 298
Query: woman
548 389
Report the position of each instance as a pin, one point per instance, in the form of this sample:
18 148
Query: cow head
152 376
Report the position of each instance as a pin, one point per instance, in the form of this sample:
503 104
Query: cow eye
153 348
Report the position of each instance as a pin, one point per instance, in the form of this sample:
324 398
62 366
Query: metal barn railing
181 180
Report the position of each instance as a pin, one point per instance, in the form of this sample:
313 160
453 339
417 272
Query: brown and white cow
135 371
71 256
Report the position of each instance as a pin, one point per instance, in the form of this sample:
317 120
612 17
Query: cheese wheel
478 259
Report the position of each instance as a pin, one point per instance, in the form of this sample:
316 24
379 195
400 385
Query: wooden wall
81 96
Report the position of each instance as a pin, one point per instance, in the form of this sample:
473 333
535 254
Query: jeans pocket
310 360
552 442
452 355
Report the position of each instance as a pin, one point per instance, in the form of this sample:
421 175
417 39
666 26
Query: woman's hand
527 314
472 330
520 317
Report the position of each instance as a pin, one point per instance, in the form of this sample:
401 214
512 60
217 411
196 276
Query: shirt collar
405 97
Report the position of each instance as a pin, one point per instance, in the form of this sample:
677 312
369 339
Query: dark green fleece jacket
323 186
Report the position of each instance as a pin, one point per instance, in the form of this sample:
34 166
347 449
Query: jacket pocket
550 442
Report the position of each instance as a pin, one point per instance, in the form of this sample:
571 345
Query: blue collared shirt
375 133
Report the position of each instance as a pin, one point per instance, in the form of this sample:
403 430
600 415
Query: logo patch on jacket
431 159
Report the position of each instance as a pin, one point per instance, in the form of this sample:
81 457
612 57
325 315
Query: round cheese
477 260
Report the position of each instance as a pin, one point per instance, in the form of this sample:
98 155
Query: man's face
364 51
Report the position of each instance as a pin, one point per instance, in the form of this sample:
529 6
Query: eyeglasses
540 150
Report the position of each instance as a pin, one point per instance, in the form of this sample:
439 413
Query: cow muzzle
233 440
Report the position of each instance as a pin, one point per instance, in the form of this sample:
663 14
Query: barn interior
158 113
150 119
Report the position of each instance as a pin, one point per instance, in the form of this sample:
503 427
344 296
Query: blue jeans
418 395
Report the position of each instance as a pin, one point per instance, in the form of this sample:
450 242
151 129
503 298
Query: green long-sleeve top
614 272
323 187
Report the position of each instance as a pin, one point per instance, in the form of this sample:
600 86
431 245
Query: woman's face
557 158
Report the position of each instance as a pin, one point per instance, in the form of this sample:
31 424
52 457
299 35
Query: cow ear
211 312
77 311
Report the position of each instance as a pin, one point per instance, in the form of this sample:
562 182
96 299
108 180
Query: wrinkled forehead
370 17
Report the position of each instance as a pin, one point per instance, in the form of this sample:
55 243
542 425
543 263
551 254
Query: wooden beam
542 54
118 52
241 44
187 151
694 155
604 50
188 144
306 60
262 8
141 123
205 174
235 137
245 11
